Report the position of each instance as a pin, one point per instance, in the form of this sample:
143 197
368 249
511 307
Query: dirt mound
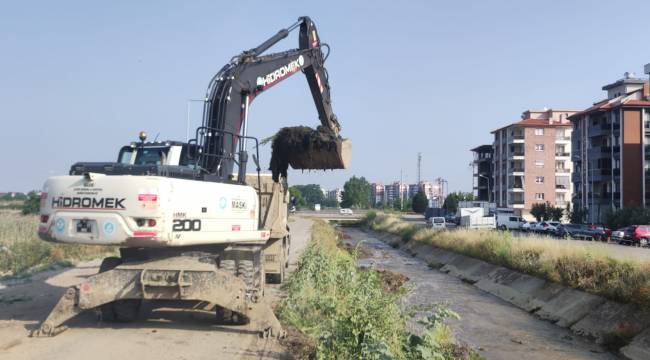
302 147
298 345
391 281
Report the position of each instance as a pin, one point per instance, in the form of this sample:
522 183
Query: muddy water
496 329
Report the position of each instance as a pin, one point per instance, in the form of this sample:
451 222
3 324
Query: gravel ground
157 334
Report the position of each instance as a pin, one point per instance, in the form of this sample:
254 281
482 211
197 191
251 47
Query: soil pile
302 147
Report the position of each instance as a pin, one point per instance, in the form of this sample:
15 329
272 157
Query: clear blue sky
79 79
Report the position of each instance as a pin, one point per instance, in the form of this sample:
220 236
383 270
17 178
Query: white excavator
191 225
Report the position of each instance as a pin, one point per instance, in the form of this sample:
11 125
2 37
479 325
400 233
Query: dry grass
22 252
584 266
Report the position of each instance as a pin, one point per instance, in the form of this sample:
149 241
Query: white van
507 221
436 222
345 211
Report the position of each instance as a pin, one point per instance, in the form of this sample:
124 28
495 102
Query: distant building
532 161
611 149
396 191
377 194
335 195
482 177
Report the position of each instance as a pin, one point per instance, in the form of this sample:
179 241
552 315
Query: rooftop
483 148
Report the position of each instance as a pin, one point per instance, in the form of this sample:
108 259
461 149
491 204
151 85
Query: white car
528 226
546 226
436 222
345 211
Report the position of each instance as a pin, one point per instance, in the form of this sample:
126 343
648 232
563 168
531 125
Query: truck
475 218
192 225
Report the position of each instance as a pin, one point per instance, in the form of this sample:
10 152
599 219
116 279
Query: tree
312 193
538 210
555 213
33 203
296 197
356 193
420 202
629 215
452 199
576 215
546 211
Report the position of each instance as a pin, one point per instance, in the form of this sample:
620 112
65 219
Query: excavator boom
237 84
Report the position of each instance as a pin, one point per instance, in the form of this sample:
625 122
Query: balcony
561 187
562 154
562 171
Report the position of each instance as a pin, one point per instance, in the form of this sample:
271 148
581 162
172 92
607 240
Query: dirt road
488 324
157 334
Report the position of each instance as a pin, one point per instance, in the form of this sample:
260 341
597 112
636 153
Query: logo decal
60 225
222 203
238 204
109 228
88 203
281 73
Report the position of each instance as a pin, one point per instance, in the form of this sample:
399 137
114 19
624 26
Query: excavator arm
231 91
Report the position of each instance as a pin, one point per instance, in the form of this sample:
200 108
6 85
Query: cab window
126 155
151 156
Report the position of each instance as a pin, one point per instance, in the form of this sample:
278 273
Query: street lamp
488 182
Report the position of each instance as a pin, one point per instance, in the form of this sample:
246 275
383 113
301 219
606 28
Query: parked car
635 235
436 222
547 227
528 226
573 231
345 211
618 235
600 232
509 222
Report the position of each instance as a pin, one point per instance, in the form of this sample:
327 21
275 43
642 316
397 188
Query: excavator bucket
304 148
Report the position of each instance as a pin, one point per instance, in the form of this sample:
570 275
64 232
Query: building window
539 163
539 131
539 147
539 196
539 180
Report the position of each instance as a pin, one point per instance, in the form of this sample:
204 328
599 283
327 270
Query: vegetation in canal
347 313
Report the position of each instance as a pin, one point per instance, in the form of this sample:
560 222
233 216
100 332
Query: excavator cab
171 153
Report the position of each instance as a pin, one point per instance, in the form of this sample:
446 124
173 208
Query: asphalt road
157 334
488 324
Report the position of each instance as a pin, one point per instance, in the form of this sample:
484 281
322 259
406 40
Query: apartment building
532 161
611 149
377 194
396 191
430 189
482 177
335 195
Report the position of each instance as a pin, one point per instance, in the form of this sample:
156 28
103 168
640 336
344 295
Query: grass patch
347 313
23 253
588 268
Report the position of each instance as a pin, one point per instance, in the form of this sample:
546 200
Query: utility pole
419 168
401 194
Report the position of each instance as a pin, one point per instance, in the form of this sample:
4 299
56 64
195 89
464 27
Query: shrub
349 315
